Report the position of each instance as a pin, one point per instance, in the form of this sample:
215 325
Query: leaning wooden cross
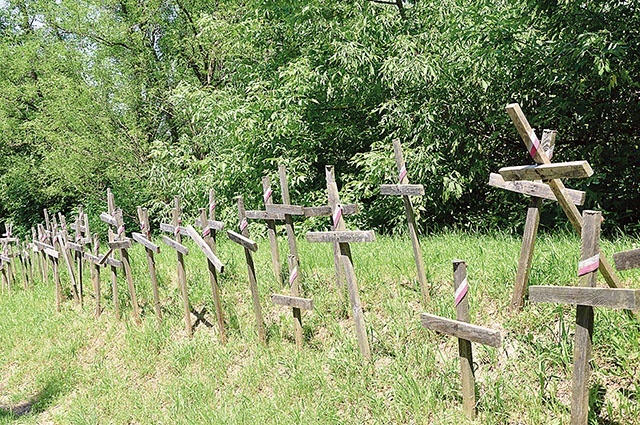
144 238
343 237
209 226
118 241
585 297
466 334
404 189
249 246
537 190
62 239
551 175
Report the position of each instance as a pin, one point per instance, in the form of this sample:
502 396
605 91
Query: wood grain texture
561 170
462 330
107 218
263 215
342 236
627 259
175 245
170 228
526 254
122 244
208 252
284 209
290 301
465 352
241 240
271 232
142 240
325 210
176 214
288 219
402 189
533 188
210 240
616 298
211 224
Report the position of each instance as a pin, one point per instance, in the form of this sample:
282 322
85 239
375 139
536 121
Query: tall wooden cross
96 262
61 239
343 237
585 297
249 246
82 237
551 175
45 244
209 226
404 189
118 241
466 334
144 238
6 256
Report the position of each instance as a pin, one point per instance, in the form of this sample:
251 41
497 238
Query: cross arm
175 245
142 240
532 188
241 240
462 330
627 299
627 259
342 236
191 232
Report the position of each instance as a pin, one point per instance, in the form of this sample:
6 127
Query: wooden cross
41 256
294 301
209 226
82 237
404 189
339 235
285 212
6 257
466 334
62 239
118 241
177 230
249 246
97 262
537 191
44 243
144 239
552 174
585 297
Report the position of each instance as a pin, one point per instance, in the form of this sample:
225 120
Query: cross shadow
38 403
200 317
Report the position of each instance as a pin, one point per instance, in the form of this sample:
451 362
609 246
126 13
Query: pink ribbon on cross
589 265
212 207
337 215
120 231
243 224
267 194
535 143
206 232
461 292
402 174
293 276
177 228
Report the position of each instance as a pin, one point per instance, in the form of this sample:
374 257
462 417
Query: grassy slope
74 369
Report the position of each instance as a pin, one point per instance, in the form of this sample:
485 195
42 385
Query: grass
71 368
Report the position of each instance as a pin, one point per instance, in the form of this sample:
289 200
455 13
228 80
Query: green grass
71 368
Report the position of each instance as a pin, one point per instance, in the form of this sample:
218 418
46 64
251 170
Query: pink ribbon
212 207
120 231
588 265
206 232
243 224
337 215
267 195
293 276
461 292
403 174
177 228
535 144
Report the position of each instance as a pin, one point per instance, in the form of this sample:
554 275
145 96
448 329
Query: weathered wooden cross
82 237
343 237
98 261
550 174
209 226
466 334
45 244
144 239
404 189
585 297
118 241
249 246
6 256
62 240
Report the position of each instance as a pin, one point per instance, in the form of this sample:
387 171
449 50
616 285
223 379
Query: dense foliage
160 97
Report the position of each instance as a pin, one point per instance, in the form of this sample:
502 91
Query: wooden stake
267 195
95 275
464 346
294 281
526 253
145 228
111 206
127 270
182 278
332 193
288 219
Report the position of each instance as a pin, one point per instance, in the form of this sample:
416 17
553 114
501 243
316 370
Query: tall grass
73 368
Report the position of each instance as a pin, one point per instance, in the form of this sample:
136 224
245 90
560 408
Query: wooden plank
107 218
556 185
92 258
462 330
284 209
77 228
170 228
295 302
526 254
342 236
627 259
325 210
210 224
124 256
51 253
210 239
95 276
465 353
537 189
42 245
176 213
294 283
402 189
123 244
263 215
616 298
8 240
139 237
267 196
75 246
193 234
111 207
245 242
105 257
561 170
175 245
